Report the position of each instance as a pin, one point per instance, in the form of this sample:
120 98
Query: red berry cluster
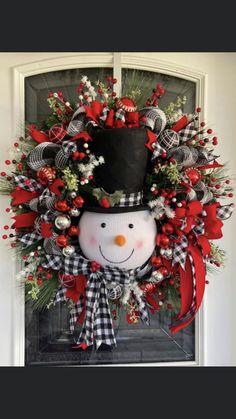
158 92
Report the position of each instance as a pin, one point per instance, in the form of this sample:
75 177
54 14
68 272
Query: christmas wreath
116 207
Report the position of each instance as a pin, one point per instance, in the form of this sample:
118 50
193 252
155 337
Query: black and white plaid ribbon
97 325
28 184
225 211
187 133
130 200
42 155
158 150
63 155
77 123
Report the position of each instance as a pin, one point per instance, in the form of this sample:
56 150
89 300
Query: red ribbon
180 124
210 166
46 230
54 187
186 289
21 196
38 136
82 135
25 220
151 139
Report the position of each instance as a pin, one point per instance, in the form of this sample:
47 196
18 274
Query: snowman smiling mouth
111 261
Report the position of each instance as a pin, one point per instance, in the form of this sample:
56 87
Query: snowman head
125 240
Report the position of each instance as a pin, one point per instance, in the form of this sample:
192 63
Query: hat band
130 200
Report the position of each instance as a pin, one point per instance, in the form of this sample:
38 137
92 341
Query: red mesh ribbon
180 124
25 220
21 196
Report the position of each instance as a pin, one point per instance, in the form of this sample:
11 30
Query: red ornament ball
126 103
167 228
62 241
46 175
57 133
78 202
156 261
62 206
163 270
193 175
164 240
73 231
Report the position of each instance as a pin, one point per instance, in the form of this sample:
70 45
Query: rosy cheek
139 244
92 241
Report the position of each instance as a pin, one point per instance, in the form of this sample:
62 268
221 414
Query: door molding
141 61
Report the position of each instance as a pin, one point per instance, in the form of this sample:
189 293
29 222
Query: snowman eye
131 226
103 225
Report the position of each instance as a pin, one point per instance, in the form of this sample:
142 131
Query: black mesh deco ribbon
97 326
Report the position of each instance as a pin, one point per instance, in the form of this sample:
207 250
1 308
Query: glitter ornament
57 133
194 176
46 175
114 291
168 139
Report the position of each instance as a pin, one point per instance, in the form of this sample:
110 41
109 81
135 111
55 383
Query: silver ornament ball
74 212
168 253
73 194
68 250
62 222
162 251
157 276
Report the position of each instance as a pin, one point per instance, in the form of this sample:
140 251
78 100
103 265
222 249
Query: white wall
219 310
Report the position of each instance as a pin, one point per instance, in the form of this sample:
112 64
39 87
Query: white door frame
141 61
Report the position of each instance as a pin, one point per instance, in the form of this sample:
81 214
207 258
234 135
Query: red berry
24 258
48 275
230 195
39 281
78 202
27 182
202 124
75 155
114 81
109 78
227 182
169 306
217 186
91 177
171 282
213 179
20 166
40 269
36 254
104 202
209 131
4 236
199 110
113 94
13 244
202 143
6 227
30 277
105 104
16 145
3 174
23 156
8 209
163 155
206 282
50 94
7 162
100 91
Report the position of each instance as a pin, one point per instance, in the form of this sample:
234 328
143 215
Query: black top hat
126 164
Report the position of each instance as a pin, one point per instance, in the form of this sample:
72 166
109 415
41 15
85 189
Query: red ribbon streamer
25 220
21 196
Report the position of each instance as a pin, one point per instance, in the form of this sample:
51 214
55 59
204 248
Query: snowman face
125 240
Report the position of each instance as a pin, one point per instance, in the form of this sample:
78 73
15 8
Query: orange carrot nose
120 240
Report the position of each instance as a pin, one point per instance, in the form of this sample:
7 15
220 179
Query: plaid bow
97 324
